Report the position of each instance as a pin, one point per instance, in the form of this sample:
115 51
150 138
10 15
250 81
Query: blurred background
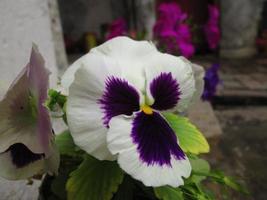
227 37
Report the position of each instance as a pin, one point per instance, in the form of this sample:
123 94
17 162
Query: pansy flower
211 80
26 138
116 103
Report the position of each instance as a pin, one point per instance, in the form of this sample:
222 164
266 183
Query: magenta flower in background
117 28
172 33
211 29
171 13
186 49
211 82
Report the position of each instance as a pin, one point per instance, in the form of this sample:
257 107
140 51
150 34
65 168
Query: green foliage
94 180
57 102
55 98
190 138
66 145
220 178
168 193
195 192
199 165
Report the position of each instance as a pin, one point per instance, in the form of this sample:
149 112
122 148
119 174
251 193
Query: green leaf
168 193
126 189
55 98
66 145
190 138
94 180
194 191
219 177
199 165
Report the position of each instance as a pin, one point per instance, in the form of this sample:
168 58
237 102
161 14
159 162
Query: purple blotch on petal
22 156
155 139
118 98
165 90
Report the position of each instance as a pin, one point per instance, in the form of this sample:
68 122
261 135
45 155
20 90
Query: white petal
83 112
182 71
10 171
14 122
123 52
199 79
120 142
124 47
68 76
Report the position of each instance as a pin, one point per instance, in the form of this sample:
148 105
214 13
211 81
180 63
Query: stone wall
239 25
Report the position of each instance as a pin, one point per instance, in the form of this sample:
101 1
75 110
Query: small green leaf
190 138
55 97
66 145
168 193
94 180
199 165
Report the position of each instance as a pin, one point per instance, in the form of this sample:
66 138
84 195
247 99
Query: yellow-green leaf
94 180
190 138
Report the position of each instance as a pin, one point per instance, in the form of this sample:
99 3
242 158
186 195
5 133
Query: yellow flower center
147 109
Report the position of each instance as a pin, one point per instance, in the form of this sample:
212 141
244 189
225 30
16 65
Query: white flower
26 138
116 96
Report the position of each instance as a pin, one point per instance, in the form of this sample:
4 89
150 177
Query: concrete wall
23 22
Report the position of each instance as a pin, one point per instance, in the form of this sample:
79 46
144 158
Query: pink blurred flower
117 28
171 13
186 49
172 33
184 33
211 29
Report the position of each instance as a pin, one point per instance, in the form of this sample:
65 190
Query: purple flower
211 29
211 82
117 28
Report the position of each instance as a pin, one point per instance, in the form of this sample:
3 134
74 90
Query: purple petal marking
22 156
118 98
155 139
165 90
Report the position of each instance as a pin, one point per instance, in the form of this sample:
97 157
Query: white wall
21 23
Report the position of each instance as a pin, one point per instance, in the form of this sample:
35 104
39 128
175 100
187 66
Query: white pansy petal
9 171
99 92
130 55
125 48
68 76
122 53
18 162
142 155
199 79
169 80
19 121
84 114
